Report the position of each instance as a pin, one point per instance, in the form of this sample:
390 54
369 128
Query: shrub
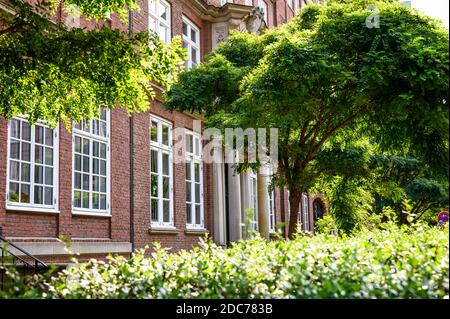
389 263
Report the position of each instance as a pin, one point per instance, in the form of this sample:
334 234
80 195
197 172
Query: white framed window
300 4
191 42
263 5
32 166
161 173
159 19
194 182
253 191
91 165
271 207
306 212
248 2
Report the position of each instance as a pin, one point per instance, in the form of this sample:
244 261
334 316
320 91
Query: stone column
219 203
263 207
234 201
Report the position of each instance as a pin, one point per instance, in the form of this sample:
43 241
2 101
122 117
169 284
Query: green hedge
392 263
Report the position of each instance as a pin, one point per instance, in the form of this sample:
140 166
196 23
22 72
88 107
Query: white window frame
271 206
153 14
161 149
191 44
192 157
32 207
93 138
306 212
224 2
253 194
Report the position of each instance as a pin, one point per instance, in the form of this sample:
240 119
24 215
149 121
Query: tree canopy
51 71
328 78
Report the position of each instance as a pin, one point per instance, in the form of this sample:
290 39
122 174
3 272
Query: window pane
95 183
48 156
48 137
77 182
25 172
95 149
39 134
103 150
165 162
189 213
95 166
78 162
38 195
49 176
188 171
14 192
14 149
86 164
24 193
102 113
194 36
85 182
39 154
154 186
154 210
166 211
185 29
48 198
95 201
197 172
188 192
85 146
165 134
154 161
85 200
103 129
103 202
154 131
197 215
14 171
15 128
194 56
189 143
39 174
197 146
166 187
26 131
77 144
26 151
197 193
103 168
103 184
77 199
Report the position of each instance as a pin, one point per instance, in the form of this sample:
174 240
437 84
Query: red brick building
111 186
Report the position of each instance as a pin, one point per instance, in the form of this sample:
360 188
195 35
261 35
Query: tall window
223 2
32 166
91 162
262 4
159 19
191 42
306 212
271 207
194 182
161 171
253 191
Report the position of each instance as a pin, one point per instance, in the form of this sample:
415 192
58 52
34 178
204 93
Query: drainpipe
130 33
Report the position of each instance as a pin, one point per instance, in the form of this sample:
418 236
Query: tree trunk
294 202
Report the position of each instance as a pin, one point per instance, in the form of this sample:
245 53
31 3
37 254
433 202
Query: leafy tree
50 71
327 75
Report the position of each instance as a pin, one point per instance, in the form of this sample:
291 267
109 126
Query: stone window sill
163 231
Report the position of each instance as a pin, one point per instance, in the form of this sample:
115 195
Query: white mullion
160 190
32 161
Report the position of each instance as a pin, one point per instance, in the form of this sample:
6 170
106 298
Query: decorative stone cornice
215 14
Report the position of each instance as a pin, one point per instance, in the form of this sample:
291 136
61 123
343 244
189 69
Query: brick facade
46 227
